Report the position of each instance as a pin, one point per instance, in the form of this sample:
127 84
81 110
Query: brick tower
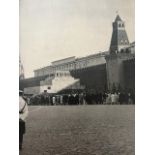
119 38
119 53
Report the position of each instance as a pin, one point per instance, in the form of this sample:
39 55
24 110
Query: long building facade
103 71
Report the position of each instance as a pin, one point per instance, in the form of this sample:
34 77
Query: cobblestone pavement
80 130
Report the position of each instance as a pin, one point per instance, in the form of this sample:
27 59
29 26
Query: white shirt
23 103
53 99
113 98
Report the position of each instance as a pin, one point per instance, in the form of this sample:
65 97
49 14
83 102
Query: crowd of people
83 98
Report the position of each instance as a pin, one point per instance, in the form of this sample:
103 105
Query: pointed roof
119 36
118 18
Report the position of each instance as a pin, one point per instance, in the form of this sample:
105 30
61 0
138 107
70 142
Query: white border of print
145 77
9 78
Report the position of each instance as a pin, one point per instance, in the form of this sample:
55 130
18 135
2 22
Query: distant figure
61 99
54 100
104 97
81 98
76 98
23 113
65 99
117 97
108 99
133 97
121 98
113 99
57 100
130 99
126 98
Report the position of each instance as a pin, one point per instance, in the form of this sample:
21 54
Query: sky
55 29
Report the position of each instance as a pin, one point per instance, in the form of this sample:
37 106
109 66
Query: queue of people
83 98
68 99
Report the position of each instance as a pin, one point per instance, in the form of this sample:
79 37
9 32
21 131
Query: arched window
126 41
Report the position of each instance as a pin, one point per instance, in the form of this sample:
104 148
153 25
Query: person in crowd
133 97
130 99
42 100
51 102
121 98
54 100
61 99
126 98
70 101
104 97
81 98
113 98
65 99
47 100
23 113
117 97
57 99
84 99
76 99
108 99
88 98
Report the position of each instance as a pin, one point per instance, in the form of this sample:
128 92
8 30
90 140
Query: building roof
62 61
118 18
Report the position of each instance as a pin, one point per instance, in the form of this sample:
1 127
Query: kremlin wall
104 71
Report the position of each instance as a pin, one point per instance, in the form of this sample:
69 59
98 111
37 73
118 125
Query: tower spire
119 38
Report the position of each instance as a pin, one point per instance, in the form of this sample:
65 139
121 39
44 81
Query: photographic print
77 77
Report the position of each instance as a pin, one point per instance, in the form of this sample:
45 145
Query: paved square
80 130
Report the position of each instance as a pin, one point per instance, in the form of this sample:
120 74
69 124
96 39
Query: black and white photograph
77 77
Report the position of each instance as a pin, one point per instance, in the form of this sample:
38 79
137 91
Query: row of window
121 25
70 66
124 41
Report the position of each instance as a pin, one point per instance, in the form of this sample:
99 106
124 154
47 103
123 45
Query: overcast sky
54 29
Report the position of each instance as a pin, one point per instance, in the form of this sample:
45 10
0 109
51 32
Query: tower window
126 41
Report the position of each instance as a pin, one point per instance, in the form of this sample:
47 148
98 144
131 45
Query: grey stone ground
80 130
